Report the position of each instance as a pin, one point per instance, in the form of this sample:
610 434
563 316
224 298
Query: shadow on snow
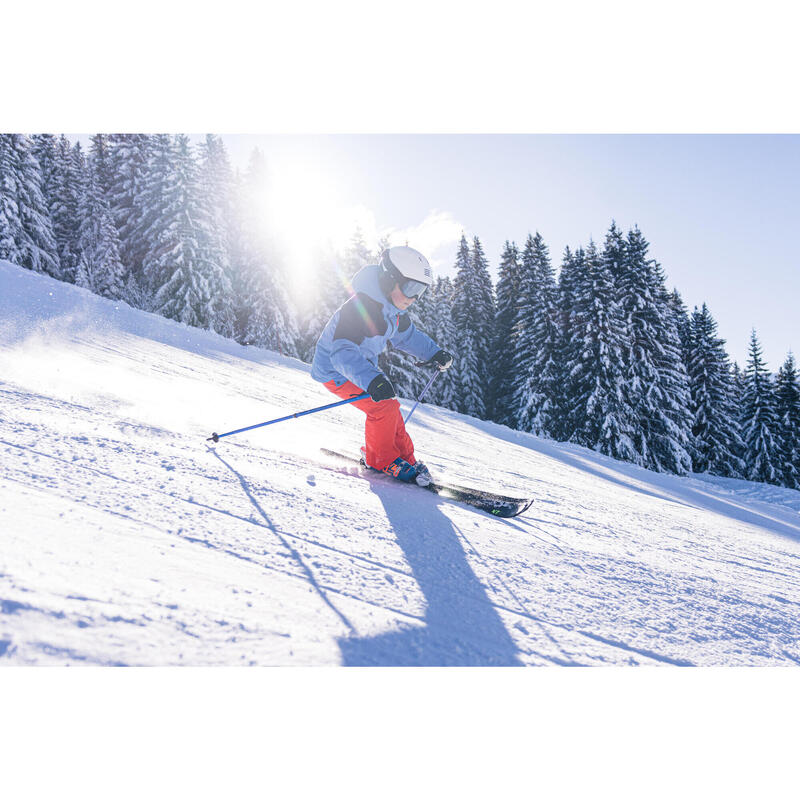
462 627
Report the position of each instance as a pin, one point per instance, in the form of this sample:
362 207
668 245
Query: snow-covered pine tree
682 323
597 410
504 336
738 383
26 233
759 420
174 266
536 351
66 188
272 321
100 160
626 289
99 265
657 385
716 442
486 303
215 206
128 166
148 218
469 394
239 255
473 317
442 330
787 392
572 266
43 146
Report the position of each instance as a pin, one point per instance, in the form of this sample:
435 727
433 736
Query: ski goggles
413 288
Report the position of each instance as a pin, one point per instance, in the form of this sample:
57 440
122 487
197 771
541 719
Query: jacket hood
366 282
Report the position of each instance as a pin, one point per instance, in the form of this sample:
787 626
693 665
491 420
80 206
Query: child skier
346 355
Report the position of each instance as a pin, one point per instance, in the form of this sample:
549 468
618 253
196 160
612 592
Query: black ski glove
442 359
380 388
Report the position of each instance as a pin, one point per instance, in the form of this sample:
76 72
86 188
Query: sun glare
305 215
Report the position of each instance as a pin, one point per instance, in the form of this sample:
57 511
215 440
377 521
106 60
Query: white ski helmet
406 267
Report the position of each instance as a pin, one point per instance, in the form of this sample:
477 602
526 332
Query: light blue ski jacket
349 346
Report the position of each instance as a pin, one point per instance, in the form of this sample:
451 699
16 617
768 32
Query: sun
304 214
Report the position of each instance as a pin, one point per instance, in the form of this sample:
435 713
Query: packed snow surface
127 538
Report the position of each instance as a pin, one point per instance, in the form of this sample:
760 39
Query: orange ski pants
384 432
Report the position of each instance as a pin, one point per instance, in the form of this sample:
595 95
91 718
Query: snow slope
126 538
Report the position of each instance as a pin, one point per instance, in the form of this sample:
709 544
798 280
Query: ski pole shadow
462 627
309 575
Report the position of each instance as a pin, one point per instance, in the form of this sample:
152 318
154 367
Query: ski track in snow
126 538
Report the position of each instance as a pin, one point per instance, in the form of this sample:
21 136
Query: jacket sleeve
413 341
348 359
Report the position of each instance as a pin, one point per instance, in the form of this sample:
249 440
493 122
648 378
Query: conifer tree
572 266
682 323
65 195
43 147
473 316
504 336
485 307
537 341
656 386
128 166
441 329
239 254
759 420
738 382
174 265
148 219
100 160
26 233
597 412
215 209
716 442
99 266
469 398
787 392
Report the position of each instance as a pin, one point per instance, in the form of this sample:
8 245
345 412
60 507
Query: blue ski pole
421 395
215 437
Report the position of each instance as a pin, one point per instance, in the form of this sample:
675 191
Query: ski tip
213 438
512 509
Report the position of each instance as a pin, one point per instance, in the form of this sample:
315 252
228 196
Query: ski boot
399 468
423 477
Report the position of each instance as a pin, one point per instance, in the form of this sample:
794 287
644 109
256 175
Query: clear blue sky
721 212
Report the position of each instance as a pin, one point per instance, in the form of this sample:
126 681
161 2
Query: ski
495 504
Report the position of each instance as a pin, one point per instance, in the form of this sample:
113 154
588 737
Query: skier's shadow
461 628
